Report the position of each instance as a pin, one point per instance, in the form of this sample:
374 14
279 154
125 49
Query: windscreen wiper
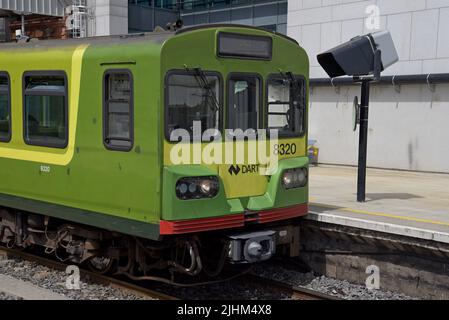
288 76
201 78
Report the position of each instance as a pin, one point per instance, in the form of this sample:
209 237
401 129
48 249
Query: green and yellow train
92 132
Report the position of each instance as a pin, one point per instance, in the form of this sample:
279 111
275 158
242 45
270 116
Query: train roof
158 37
230 25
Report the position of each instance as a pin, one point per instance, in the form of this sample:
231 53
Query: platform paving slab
18 288
411 204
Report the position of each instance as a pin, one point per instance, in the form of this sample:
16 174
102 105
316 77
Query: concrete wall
111 16
408 129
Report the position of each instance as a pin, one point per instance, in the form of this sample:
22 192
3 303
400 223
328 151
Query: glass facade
165 4
268 14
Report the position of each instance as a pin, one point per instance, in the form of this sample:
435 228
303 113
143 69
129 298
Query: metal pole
23 25
153 14
363 141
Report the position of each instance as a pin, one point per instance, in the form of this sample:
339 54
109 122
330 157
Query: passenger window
5 110
118 110
243 103
45 111
286 105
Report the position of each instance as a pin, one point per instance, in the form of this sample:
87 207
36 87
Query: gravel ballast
338 288
5 296
55 281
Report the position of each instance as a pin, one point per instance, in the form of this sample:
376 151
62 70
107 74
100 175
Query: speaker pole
363 140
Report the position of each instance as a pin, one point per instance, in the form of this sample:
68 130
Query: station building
44 19
408 123
145 15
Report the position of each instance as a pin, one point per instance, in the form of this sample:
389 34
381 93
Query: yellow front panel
241 170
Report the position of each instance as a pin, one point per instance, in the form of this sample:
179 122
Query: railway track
96 278
294 293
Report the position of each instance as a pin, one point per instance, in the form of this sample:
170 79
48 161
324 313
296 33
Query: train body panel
84 180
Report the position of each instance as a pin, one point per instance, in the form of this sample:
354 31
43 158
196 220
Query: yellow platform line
381 214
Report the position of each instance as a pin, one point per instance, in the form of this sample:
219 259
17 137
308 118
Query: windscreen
286 105
191 98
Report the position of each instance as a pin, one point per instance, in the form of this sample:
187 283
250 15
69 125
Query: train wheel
101 265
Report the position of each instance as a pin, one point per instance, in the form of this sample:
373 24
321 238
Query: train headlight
206 186
295 178
287 179
197 188
182 188
193 187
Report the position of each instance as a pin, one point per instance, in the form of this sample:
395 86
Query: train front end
235 165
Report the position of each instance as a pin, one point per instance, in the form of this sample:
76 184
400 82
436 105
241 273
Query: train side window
118 131
5 109
244 97
45 109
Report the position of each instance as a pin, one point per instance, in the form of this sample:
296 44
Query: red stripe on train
231 221
283 213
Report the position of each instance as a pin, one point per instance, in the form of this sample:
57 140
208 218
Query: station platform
409 204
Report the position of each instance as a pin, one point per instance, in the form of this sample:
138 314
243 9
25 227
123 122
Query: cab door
243 116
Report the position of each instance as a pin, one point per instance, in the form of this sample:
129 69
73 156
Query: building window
244 98
141 2
46 109
118 131
5 109
287 105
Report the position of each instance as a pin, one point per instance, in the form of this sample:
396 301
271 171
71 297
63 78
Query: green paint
127 226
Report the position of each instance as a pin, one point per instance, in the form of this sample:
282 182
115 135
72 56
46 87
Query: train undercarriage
142 259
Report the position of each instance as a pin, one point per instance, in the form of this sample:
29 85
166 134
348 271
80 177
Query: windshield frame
184 72
286 134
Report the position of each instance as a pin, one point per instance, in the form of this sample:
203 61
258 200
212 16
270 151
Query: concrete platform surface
27 291
405 203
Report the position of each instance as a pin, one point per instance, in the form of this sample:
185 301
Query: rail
294 292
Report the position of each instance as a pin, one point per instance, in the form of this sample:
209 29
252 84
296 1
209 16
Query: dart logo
234 170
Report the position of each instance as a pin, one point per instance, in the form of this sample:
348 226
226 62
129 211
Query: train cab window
5 109
118 110
45 110
192 96
244 97
286 105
